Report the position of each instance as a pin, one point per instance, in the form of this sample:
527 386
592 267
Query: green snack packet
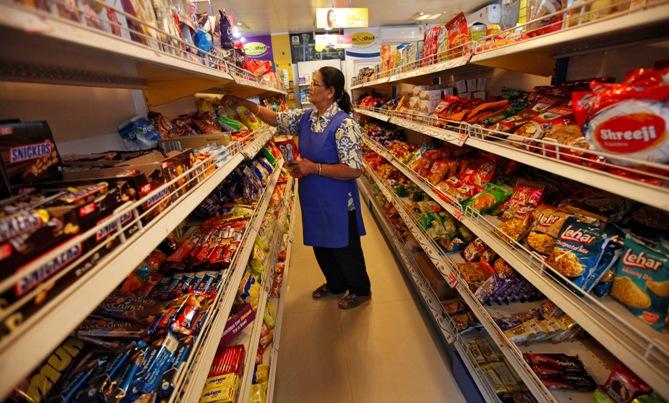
490 197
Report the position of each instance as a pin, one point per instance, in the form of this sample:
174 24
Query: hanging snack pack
580 253
248 118
641 281
547 224
629 119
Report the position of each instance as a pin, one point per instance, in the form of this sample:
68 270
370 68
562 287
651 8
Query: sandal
323 291
351 300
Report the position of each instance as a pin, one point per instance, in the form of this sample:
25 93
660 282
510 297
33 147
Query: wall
82 119
367 54
282 55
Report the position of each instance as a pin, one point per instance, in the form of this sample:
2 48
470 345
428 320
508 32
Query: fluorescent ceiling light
421 16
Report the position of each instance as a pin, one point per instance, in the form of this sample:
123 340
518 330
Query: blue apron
325 200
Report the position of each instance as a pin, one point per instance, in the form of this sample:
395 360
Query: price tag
462 137
458 215
451 279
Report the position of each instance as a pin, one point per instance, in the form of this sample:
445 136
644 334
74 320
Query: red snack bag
525 198
458 35
629 119
623 385
288 148
257 67
438 171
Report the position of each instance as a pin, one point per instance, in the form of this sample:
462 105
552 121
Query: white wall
82 119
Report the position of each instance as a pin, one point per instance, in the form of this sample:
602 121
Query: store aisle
383 351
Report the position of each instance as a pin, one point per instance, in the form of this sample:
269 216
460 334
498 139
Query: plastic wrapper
491 196
641 281
476 250
547 225
525 198
248 118
139 134
454 306
475 273
135 309
258 393
288 148
623 385
628 119
582 253
561 371
463 320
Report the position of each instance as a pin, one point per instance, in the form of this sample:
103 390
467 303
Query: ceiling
294 16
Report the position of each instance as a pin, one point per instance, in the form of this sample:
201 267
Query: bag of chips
582 252
491 196
641 281
548 222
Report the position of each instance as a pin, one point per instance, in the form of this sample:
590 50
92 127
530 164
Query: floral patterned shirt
348 135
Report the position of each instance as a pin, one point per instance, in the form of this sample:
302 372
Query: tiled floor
383 351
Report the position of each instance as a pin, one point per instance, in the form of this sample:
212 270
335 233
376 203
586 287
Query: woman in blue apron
329 145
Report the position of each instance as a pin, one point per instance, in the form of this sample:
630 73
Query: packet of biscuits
641 282
548 222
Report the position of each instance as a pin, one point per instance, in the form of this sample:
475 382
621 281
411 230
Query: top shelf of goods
105 44
531 47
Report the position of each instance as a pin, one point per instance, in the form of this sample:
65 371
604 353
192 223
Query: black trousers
344 268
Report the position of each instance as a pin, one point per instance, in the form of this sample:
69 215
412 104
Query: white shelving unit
42 47
645 20
604 320
545 157
195 374
280 300
70 52
251 340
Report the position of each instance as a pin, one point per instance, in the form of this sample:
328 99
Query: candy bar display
140 336
561 371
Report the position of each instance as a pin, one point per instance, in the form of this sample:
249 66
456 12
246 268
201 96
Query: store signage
329 18
363 38
259 47
333 41
255 48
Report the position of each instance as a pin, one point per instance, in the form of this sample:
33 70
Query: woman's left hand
302 167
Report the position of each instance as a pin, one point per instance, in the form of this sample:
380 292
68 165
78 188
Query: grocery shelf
477 375
261 138
70 52
429 299
280 306
510 351
616 28
254 338
549 157
34 339
608 321
536 53
195 374
279 300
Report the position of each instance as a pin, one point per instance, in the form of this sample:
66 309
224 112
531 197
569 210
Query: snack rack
45 47
624 337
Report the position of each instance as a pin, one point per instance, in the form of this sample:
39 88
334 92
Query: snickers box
28 154
41 227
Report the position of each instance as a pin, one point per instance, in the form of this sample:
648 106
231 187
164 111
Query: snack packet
491 196
641 281
578 253
548 222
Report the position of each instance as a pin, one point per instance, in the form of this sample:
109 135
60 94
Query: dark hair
334 78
